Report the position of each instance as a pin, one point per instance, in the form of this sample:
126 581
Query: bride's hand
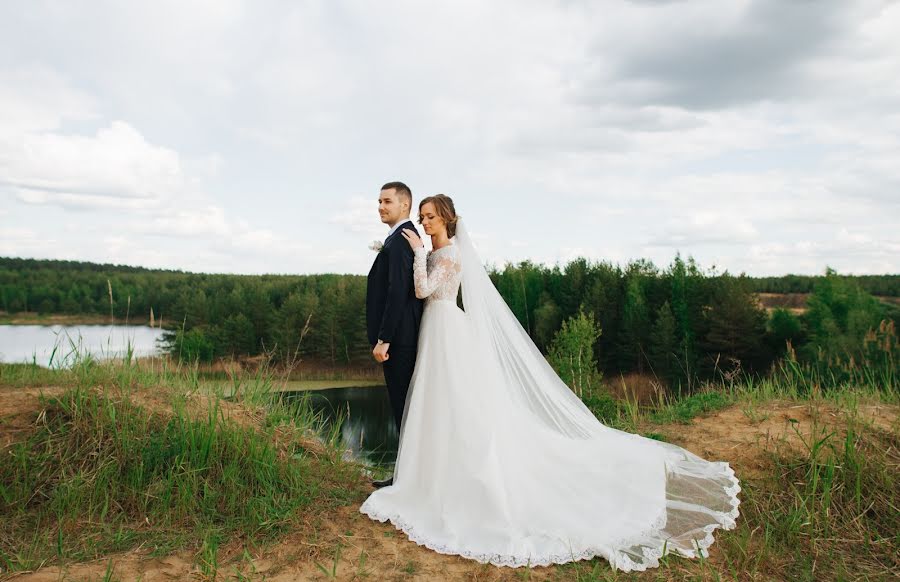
412 238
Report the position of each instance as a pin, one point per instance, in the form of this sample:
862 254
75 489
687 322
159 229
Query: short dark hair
401 188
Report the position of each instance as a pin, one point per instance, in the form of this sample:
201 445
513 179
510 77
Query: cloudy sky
252 136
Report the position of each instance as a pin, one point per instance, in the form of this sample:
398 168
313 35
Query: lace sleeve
441 272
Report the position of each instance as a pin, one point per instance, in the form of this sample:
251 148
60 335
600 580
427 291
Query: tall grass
101 472
825 511
874 364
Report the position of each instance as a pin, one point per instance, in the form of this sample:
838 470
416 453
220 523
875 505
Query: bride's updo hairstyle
443 205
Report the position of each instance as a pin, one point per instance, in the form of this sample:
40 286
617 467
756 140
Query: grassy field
122 471
120 456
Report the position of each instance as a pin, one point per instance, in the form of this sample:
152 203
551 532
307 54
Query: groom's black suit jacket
393 311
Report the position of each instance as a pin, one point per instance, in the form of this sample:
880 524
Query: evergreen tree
237 335
603 297
683 289
784 327
635 324
296 316
704 316
736 328
547 319
664 345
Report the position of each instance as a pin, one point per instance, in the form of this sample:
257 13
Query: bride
499 461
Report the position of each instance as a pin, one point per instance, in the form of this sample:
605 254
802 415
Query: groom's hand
381 352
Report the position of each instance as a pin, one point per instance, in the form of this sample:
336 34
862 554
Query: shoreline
32 318
308 385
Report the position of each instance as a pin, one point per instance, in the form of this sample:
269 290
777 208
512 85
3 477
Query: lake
24 343
368 431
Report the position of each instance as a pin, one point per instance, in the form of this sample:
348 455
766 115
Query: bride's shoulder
452 249
447 249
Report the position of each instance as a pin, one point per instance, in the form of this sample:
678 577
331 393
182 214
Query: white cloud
360 216
806 256
38 98
116 168
252 132
196 223
24 242
706 227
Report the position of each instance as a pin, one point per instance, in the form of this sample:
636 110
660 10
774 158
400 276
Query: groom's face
391 207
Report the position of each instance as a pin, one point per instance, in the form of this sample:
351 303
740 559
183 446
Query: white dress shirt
396 226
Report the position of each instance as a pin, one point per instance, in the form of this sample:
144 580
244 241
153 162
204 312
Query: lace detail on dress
636 553
437 274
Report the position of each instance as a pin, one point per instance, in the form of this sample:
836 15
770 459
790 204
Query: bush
194 345
572 353
604 406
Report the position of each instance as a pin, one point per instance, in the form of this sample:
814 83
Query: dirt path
358 548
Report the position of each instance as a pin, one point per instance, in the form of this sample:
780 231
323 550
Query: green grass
685 409
826 512
627 415
101 474
18 375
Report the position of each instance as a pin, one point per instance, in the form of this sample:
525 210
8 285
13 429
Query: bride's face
431 221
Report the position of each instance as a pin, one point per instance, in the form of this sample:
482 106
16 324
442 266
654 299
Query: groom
393 312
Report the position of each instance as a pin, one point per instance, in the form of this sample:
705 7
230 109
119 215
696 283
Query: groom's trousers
398 370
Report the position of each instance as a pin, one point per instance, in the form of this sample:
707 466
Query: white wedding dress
501 463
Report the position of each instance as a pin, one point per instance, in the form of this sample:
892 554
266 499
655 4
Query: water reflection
368 430
40 343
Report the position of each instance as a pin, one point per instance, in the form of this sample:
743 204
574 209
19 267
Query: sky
230 136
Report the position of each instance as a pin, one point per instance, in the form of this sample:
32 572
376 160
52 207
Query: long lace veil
524 372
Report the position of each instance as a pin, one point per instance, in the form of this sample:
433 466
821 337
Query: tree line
678 323
881 285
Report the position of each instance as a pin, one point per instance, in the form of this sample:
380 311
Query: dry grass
645 389
765 437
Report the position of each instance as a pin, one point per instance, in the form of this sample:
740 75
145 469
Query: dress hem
619 562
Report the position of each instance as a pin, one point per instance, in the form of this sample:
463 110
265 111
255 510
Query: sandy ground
358 548
742 436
